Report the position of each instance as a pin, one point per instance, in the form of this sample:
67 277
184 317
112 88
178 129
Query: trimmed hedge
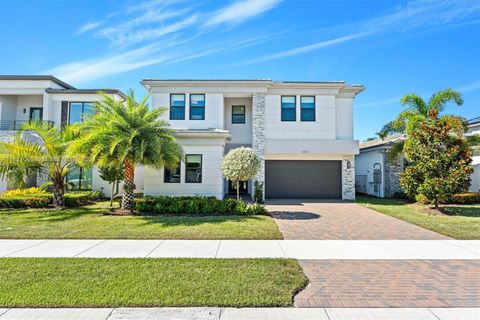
459 198
466 198
30 198
196 206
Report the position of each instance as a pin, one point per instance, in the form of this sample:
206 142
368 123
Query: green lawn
464 224
90 223
73 282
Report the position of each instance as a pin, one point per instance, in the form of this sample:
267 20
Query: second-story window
289 109
177 107
238 114
197 107
78 111
307 108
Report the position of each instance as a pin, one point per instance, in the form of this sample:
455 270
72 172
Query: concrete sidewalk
242 314
296 249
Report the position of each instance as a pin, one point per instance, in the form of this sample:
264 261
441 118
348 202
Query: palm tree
418 110
39 148
129 133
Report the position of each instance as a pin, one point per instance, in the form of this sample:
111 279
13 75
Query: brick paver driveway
391 283
337 220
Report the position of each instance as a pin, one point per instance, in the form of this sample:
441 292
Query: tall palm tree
418 110
129 133
39 148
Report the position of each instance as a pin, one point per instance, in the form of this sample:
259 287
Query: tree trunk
58 196
129 185
111 195
238 190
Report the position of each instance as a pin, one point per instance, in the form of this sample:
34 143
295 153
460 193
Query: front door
243 187
36 114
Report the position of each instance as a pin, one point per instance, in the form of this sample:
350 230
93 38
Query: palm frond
442 97
415 102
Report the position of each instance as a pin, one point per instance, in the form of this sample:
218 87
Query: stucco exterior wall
322 128
212 180
240 133
364 167
214 110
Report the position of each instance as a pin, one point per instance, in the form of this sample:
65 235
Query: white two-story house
42 97
302 132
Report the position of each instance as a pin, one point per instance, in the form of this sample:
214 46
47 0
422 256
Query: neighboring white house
302 131
46 98
375 174
474 129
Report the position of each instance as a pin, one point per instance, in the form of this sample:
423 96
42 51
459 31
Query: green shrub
196 206
466 198
79 198
38 198
458 198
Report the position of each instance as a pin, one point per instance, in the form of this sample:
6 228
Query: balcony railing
17 124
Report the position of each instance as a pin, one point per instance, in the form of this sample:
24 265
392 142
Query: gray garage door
301 179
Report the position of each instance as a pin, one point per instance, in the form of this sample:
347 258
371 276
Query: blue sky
391 47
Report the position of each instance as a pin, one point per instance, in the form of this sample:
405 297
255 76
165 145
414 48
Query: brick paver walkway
391 283
331 220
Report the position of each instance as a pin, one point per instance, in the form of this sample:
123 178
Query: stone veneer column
348 177
258 134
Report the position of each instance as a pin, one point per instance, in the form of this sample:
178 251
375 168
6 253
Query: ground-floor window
172 176
193 168
79 179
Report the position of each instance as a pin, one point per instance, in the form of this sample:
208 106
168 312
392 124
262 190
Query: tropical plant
112 174
129 133
40 148
418 110
440 158
240 164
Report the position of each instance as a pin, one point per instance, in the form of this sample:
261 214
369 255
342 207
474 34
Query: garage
303 179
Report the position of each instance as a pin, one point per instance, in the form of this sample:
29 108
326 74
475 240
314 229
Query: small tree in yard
112 174
240 164
441 160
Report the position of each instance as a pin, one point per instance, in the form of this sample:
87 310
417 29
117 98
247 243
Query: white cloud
240 11
89 26
418 14
87 70
471 87
307 48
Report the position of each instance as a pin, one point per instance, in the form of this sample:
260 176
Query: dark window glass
177 107
193 168
289 108
197 107
79 111
79 179
238 114
307 108
172 176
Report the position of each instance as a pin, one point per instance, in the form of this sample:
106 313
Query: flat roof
382 142
87 91
474 120
149 82
36 77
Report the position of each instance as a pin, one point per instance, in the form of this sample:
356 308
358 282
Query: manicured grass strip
53 282
90 223
465 224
